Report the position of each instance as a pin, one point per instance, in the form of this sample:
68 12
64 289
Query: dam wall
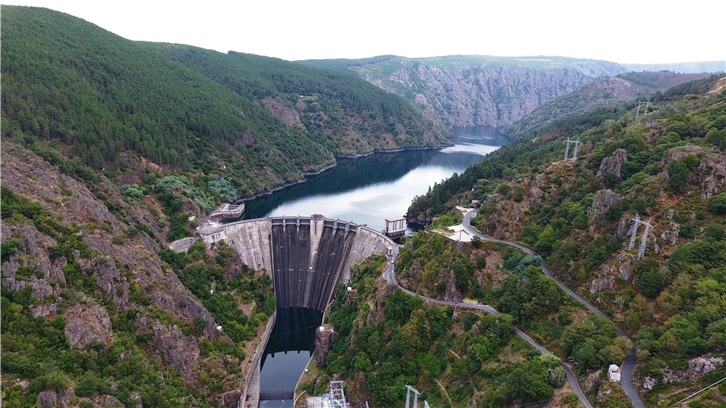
306 257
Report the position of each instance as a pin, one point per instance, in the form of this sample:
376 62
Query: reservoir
370 189
364 191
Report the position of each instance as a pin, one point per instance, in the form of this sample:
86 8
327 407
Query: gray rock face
177 349
602 202
86 324
613 163
109 279
468 91
604 282
323 340
697 368
47 399
287 115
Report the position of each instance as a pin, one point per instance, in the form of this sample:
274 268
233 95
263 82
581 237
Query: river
364 191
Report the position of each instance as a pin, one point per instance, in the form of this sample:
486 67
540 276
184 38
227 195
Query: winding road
626 370
390 277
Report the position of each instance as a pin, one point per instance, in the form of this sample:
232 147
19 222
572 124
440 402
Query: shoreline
305 175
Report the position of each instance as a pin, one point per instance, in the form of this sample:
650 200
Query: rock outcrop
323 339
602 202
177 349
287 115
86 324
613 163
476 90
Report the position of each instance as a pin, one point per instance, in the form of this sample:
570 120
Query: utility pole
637 222
637 115
634 234
408 396
644 240
567 149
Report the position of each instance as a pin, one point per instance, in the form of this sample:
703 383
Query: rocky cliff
93 277
477 90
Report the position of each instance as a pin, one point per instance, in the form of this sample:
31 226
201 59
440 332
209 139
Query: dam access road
627 366
630 360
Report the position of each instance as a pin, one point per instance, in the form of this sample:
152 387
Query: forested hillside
601 93
110 150
71 89
577 215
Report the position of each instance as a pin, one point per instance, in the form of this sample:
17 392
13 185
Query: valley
112 149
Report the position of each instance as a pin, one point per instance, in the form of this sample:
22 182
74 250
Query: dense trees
94 102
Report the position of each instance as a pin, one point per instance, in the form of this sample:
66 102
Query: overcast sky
625 31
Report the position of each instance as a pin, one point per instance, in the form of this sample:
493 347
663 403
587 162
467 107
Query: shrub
717 204
131 191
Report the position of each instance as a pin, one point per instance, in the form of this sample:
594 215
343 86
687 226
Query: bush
131 191
717 204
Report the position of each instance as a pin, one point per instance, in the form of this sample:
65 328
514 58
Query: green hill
83 93
578 217
601 93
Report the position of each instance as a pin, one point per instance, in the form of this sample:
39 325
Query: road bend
630 360
390 277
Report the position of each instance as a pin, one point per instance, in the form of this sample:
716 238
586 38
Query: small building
395 227
613 373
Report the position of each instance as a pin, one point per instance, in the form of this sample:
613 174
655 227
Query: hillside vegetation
73 90
387 339
601 93
577 216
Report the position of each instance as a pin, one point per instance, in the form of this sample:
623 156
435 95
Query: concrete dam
306 257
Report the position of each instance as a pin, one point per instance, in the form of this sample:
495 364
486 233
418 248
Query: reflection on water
371 189
365 191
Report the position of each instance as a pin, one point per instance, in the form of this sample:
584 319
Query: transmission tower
634 234
637 115
644 240
567 148
337 395
408 396
637 222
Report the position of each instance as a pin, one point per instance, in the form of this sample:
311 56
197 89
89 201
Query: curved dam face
306 257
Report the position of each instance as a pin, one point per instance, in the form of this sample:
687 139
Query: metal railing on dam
306 257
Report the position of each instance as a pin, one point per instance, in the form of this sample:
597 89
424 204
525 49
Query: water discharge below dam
307 259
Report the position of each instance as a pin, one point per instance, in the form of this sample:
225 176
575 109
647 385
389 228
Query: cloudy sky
625 31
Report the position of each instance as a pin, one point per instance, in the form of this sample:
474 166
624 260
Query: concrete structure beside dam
306 257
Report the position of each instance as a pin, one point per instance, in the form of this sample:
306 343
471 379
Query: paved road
390 277
626 370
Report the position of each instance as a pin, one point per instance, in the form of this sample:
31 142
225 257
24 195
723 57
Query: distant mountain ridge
681 67
601 93
484 90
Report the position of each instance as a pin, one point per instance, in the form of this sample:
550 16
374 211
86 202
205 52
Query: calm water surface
364 191
370 189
